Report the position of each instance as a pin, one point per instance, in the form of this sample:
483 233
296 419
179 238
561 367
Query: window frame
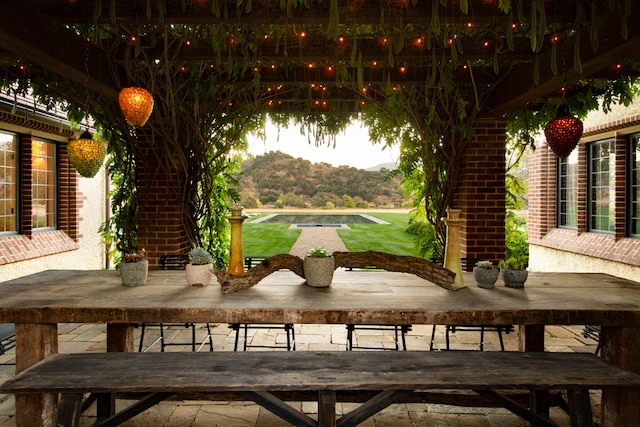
610 185
56 186
559 189
632 172
18 198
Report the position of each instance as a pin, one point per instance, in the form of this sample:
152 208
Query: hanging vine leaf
543 25
577 63
534 26
496 63
435 19
624 30
464 6
215 8
399 40
162 10
536 70
360 72
148 9
248 6
333 29
354 47
97 9
433 70
510 43
112 11
593 34
521 17
554 59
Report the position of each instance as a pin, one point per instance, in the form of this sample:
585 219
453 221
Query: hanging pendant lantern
564 132
86 154
136 104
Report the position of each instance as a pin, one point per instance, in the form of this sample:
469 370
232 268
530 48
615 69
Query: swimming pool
319 220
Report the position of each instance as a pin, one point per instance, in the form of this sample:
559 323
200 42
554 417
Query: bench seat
256 374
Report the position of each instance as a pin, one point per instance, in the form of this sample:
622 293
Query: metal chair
175 262
400 332
250 262
473 328
593 332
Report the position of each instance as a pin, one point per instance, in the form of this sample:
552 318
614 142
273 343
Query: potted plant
199 268
514 271
485 274
319 265
134 268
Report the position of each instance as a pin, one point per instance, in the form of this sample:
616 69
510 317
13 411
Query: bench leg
580 408
280 408
106 403
326 408
516 408
371 407
70 410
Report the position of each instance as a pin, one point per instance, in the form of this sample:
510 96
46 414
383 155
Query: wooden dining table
37 303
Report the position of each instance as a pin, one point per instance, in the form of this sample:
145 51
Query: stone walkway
85 337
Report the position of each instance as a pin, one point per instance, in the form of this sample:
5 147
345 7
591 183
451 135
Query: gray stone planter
514 278
134 273
485 277
318 272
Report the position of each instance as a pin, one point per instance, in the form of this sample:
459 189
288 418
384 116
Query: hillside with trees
280 180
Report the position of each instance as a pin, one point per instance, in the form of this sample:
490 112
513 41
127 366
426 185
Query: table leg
120 337
532 339
34 342
620 347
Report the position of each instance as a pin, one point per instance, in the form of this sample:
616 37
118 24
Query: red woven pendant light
564 132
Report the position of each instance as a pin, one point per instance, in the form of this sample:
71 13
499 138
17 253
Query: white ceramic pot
318 272
199 275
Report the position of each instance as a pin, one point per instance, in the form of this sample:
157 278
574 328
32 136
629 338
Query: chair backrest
7 336
173 262
252 261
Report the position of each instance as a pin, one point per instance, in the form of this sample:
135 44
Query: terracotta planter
199 275
514 278
485 277
318 272
134 273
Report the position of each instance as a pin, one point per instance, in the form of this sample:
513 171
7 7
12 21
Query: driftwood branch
396 263
239 282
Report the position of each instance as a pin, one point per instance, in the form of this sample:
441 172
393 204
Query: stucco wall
91 254
545 259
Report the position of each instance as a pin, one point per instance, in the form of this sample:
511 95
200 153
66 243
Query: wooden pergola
257 56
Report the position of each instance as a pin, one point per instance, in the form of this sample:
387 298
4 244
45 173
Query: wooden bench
258 374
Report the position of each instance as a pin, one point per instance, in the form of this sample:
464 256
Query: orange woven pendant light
136 104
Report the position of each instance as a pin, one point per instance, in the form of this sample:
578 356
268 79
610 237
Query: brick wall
159 217
481 193
542 193
28 244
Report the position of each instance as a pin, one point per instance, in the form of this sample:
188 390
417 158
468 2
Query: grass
272 239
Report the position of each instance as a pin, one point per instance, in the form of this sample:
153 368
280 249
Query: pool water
321 219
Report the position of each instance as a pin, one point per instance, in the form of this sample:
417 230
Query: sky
352 148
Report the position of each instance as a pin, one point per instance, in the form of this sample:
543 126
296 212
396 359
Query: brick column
159 217
481 193
542 183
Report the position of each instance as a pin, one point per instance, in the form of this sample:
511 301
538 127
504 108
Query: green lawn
271 239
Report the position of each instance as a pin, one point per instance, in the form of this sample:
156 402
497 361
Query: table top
360 297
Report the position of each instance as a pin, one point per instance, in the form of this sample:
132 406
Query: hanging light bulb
86 154
564 132
136 104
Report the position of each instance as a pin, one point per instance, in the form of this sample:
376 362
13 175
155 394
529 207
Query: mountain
279 179
390 166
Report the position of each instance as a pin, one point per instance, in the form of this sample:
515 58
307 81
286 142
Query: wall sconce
564 132
86 154
136 104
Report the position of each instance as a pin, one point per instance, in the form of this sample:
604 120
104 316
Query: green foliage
199 256
348 201
484 264
319 252
517 248
423 237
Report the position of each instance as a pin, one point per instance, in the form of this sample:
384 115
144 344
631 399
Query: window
634 183
8 183
567 191
43 157
601 186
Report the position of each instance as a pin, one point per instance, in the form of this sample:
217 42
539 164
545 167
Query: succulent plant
199 256
484 264
319 252
135 257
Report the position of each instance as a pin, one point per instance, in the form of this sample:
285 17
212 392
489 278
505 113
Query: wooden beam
35 38
519 88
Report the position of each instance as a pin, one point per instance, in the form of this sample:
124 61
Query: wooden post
620 347
34 342
120 337
452 250
236 260
532 339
